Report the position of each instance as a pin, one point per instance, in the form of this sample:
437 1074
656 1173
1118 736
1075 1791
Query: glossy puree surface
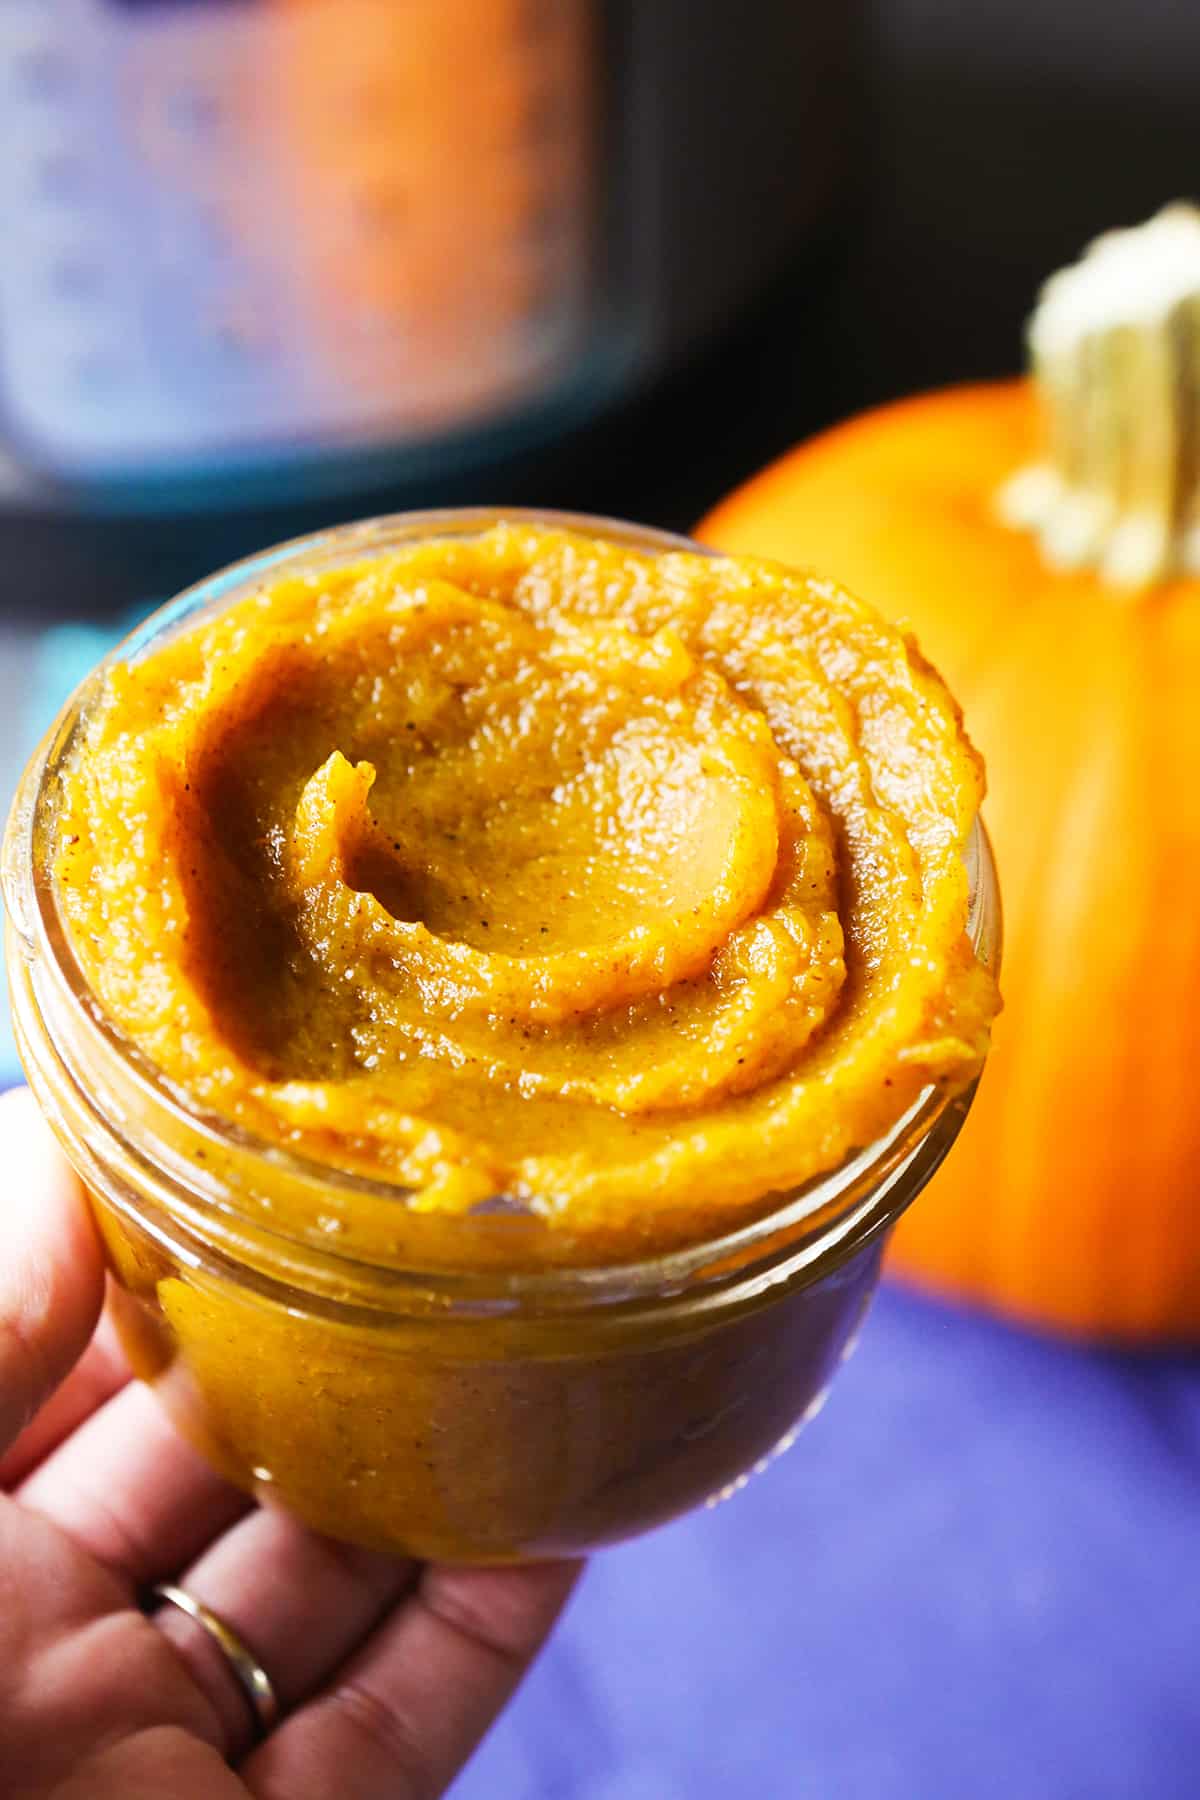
628 886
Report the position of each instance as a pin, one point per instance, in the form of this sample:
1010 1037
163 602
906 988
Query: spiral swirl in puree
626 885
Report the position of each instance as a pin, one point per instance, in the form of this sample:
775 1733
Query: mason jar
467 1410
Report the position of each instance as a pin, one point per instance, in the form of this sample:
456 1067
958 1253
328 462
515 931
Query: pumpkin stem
1115 351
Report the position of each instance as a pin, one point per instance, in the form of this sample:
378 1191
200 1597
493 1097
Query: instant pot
267 252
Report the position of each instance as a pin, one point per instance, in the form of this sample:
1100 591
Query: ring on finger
243 1665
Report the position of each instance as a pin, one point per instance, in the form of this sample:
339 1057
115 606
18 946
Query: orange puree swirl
628 886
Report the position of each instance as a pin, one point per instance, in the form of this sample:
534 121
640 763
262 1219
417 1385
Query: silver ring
247 1671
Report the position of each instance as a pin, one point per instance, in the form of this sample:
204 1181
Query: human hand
388 1673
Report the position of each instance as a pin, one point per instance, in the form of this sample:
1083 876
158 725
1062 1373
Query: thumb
51 1268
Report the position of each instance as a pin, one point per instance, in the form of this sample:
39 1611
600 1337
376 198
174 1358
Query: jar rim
841 1208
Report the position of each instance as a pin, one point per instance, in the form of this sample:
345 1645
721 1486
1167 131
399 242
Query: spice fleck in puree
538 876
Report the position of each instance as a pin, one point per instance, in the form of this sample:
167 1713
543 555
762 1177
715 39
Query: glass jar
473 1414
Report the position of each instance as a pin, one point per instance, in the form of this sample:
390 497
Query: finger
406 1712
131 1492
51 1270
100 1372
300 1603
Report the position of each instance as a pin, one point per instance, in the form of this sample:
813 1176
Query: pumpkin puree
628 886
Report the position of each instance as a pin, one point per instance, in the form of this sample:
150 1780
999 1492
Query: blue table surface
977 1574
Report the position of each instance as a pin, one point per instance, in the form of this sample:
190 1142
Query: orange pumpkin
1073 1198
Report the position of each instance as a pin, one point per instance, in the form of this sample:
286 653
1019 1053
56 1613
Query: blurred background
272 263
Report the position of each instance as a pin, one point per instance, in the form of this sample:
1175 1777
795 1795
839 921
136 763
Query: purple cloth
976 1575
